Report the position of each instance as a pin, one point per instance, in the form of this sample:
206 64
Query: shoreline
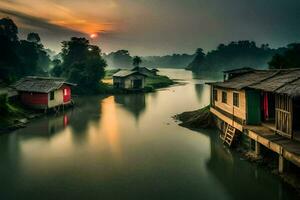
21 118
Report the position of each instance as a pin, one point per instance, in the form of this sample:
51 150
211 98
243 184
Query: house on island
146 71
264 106
129 80
44 92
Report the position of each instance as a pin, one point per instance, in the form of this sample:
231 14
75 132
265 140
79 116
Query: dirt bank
201 118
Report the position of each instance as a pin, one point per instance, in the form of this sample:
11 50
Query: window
236 99
224 97
65 92
215 95
52 95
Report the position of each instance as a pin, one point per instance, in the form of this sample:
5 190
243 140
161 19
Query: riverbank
202 118
14 115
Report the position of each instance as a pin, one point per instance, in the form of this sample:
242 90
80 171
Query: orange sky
156 27
87 17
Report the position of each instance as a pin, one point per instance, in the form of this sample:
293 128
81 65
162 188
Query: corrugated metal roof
40 84
286 81
245 80
125 73
280 79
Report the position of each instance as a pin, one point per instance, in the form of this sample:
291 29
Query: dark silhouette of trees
122 59
119 59
289 58
200 56
82 63
234 55
20 58
136 61
33 37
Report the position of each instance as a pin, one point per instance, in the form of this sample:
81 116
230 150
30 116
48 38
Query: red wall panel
34 98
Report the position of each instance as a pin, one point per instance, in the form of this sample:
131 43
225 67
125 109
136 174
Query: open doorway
137 84
268 109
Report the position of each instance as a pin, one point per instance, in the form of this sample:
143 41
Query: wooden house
44 92
129 80
259 103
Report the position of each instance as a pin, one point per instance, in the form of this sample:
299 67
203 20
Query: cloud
158 27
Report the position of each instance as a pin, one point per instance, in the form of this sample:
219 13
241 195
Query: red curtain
266 106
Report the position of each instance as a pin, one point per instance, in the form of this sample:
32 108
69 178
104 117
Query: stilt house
44 92
259 103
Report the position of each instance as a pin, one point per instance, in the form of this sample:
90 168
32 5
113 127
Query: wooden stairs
229 135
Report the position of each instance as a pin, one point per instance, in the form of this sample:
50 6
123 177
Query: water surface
129 147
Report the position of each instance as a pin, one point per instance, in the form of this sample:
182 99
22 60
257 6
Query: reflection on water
129 147
134 103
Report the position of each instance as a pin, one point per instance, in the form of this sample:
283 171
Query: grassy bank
12 115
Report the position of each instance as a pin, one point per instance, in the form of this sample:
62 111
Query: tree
33 37
9 59
136 61
199 58
236 54
57 69
288 59
8 29
82 64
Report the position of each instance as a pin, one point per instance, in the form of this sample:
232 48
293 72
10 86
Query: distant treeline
123 59
83 63
245 54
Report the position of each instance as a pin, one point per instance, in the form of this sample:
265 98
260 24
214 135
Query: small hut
129 80
44 92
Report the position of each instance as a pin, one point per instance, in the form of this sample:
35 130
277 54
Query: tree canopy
20 58
136 61
81 63
233 55
290 58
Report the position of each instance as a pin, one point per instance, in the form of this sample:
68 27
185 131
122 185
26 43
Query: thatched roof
277 81
125 73
40 84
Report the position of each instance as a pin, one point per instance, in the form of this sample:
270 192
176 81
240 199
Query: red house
44 92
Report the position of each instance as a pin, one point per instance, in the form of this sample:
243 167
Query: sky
157 27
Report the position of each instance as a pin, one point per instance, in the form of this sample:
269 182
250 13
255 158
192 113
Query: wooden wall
284 115
129 79
240 111
58 98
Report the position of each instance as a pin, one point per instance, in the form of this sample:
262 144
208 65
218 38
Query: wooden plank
226 119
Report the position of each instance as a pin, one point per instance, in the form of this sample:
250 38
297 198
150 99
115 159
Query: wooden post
281 164
257 149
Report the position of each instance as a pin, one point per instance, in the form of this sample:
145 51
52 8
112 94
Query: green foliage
158 82
33 37
19 58
136 61
119 59
199 58
290 58
234 55
3 104
82 64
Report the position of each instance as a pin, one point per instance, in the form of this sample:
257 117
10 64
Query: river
129 147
